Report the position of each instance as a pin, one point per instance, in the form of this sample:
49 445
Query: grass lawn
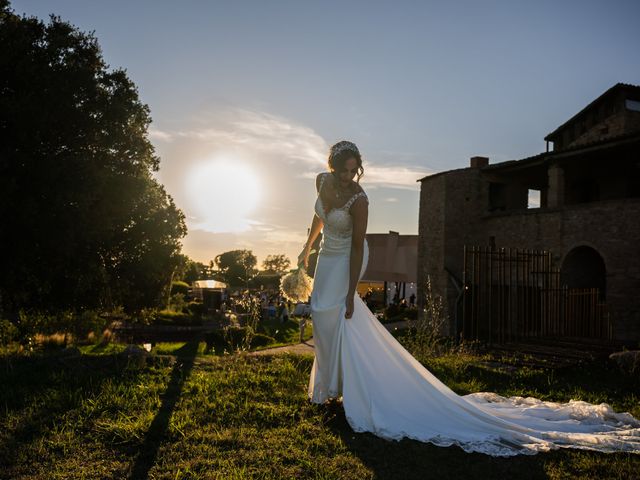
240 416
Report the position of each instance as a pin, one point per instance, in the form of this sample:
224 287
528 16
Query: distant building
210 292
392 266
572 213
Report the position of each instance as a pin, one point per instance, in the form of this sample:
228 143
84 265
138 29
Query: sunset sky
247 97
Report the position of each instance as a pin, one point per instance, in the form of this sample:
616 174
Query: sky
247 97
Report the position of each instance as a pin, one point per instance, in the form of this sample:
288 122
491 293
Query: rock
628 360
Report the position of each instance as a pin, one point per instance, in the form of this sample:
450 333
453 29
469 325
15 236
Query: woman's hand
303 258
349 304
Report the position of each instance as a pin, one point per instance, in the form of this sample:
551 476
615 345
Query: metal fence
511 294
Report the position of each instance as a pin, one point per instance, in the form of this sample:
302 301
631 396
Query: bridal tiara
344 145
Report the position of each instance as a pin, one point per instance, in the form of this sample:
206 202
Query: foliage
188 271
196 308
178 286
285 333
169 317
72 325
8 332
425 337
177 303
236 267
250 305
265 280
85 224
397 313
276 264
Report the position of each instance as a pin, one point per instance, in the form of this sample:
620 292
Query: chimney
479 162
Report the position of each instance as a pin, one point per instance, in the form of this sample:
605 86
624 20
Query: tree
236 267
85 224
189 270
276 264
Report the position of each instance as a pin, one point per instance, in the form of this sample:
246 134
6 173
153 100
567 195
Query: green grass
240 416
285 333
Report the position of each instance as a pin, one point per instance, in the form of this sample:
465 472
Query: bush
177 303
261 340
234 338
168 317
238 337
180 287
216 342
392 311
88 321
425 340
8 332
196 308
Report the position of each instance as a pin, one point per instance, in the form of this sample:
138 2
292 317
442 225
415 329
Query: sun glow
222 193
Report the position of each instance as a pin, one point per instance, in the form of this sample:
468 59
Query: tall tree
236 267
276 264
85 223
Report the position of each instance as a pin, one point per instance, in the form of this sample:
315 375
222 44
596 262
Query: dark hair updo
340 153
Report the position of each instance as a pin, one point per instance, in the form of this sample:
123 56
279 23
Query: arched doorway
583 278
583 267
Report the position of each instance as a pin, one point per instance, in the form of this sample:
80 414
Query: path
307 348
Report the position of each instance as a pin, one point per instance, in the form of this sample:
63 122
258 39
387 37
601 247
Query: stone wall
609 227
454 212
451 207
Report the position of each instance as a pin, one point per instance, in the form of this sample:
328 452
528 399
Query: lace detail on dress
338 224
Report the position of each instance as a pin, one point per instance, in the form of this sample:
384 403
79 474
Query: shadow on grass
42 389
154 436
410 459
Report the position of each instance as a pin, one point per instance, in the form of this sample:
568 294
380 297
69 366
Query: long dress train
387 392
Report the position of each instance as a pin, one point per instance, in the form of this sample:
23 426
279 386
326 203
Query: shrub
236 338
180 287
196 308
216 342
425 339
168 317
88 321
261 340
8 332
177 303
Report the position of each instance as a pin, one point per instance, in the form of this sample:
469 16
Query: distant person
284 313
412 299
271 309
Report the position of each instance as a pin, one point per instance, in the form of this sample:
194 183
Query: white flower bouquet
297 285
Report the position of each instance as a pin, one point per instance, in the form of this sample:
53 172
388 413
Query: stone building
579 201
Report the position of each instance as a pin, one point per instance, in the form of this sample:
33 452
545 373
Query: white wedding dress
387 392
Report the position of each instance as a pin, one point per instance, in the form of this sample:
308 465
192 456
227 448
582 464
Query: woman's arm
314 231
360 211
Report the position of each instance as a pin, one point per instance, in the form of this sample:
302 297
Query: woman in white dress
387 392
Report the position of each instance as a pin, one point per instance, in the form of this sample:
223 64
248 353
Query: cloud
394 176
285 156
259 133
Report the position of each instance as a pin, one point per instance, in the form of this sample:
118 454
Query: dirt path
307 348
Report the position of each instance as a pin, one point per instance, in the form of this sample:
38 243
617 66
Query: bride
387 392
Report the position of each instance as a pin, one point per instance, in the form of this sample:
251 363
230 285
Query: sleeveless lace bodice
338 224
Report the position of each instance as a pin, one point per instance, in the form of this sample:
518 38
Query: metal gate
511 294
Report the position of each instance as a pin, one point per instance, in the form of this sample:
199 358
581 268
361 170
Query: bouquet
297 285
